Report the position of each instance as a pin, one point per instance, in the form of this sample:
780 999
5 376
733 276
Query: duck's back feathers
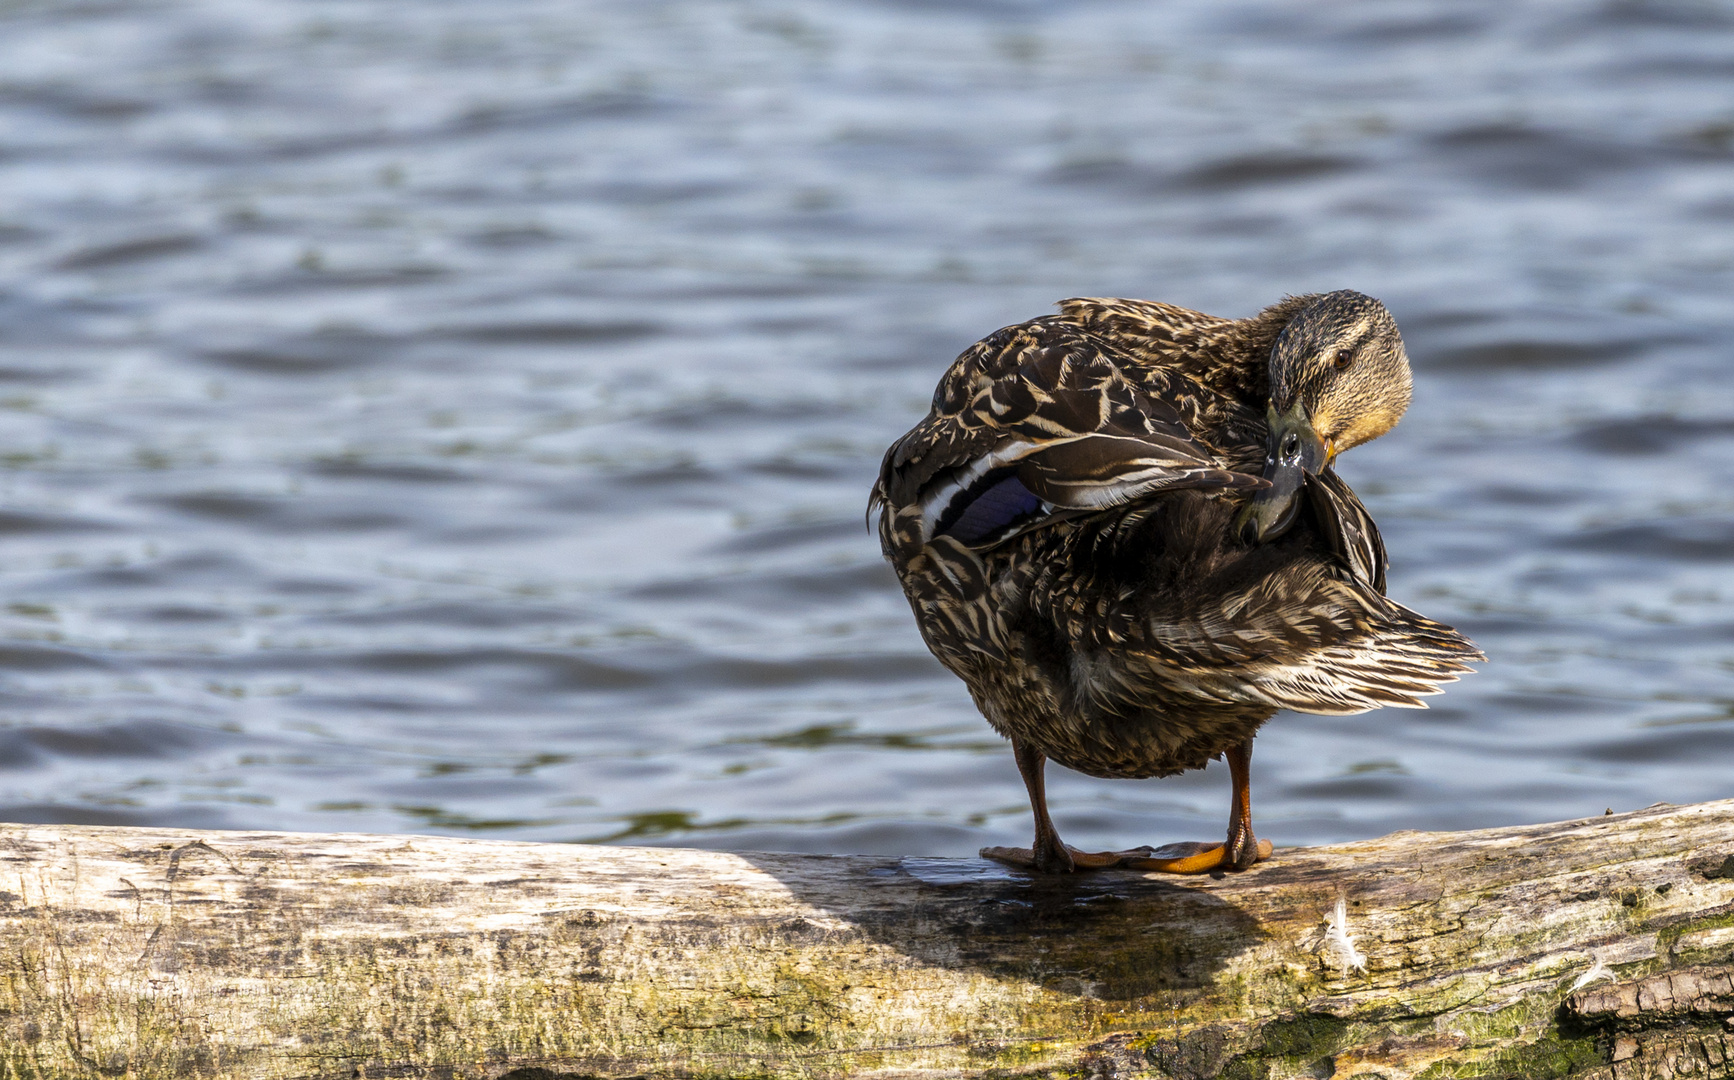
1036 423
1229 355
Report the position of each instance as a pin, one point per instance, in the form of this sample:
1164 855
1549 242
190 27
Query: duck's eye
1343 359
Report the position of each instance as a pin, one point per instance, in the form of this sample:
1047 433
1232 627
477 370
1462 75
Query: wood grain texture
159 953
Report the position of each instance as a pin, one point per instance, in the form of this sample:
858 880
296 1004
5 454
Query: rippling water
457 417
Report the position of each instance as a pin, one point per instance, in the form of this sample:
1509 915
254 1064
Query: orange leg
1243 848
1049 855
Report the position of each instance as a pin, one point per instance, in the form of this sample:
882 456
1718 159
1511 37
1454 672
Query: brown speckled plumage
1067 523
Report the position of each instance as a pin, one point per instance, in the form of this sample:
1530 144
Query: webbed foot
1196 857
1058 858
1187 857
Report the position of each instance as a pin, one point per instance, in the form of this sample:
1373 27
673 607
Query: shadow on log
1601 948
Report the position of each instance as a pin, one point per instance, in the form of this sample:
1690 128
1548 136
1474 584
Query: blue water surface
457 417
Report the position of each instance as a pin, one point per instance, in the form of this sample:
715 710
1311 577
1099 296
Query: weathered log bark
1598 948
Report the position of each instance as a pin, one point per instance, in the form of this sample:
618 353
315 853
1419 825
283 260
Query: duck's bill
1293 453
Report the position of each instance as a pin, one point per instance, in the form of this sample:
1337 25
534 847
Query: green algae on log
1598 948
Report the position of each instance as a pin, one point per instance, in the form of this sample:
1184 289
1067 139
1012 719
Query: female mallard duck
1119 526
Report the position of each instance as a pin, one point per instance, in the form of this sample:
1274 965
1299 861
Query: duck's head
1338 378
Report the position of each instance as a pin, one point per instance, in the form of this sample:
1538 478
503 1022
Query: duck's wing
1306 629
1033 424
1301 623
1347 529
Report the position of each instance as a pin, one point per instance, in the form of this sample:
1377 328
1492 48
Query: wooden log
1597 948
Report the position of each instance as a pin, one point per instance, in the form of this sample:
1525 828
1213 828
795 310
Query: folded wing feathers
1080 436
1399 661
1349 530
1345 650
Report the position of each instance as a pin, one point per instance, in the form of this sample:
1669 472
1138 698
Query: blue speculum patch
1000 506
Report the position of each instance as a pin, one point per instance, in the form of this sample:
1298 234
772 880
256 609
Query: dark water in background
457 417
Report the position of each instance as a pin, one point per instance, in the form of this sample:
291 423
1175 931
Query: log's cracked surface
1599 948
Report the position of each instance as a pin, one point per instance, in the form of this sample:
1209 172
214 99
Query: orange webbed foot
1191 857
1188 857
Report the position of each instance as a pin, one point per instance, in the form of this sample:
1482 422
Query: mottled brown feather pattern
1127 630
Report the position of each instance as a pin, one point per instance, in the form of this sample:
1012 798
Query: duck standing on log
1120 527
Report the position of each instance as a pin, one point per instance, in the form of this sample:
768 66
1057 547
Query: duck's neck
1235 361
